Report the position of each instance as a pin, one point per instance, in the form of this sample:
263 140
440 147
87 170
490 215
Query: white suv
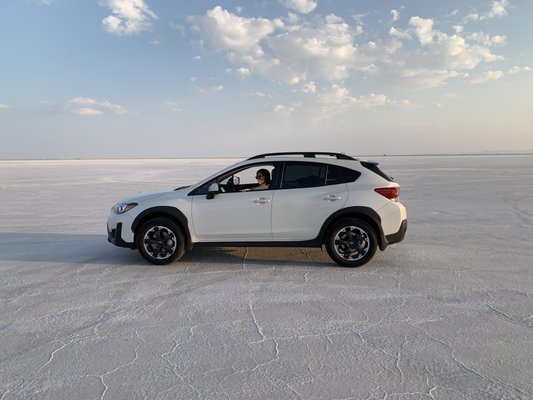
309 199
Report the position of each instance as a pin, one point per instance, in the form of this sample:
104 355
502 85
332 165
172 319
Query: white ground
446 314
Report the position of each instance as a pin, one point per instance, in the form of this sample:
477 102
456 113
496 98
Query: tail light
391 193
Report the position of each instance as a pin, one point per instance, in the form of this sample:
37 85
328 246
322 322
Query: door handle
261 200
332 197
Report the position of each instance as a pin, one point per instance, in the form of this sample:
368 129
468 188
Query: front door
233 217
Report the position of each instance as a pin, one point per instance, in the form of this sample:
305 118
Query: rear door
304 200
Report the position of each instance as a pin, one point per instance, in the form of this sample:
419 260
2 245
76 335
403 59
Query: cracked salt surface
446 314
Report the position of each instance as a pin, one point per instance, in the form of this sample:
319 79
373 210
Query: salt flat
446 314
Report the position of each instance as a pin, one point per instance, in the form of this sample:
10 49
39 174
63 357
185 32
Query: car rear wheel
351 242
160 241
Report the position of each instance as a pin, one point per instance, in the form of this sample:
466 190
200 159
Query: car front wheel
160 241
351 242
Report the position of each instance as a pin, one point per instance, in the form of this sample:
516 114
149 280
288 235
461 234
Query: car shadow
75 248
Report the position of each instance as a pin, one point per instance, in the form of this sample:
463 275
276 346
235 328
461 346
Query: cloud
283 110
498 10
496 75
86 106
423 29
488 76
337 99
309 87
240 72
518 70
206 88
326 49
225 31
174 106
3 106
128 17
281 52
487 40
301 6
395 15
439 57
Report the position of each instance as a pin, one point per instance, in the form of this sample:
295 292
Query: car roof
305 154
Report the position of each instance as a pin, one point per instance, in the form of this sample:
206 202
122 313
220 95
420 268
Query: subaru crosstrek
306 199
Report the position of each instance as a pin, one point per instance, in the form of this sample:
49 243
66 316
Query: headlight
121 208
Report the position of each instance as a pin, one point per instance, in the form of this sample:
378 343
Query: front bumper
114 236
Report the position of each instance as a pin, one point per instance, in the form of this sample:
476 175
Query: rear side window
338 175
303 175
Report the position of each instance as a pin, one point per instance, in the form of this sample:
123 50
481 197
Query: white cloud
174 106
87 112
498 10
458 28
86 106
283 110
440 57
309 87
395 15
206 88
327 48
243 72
324 50
3 106
337 99
301 6
128 17
225 31
487 40
518 70
488 76
423 28
284 53
496 75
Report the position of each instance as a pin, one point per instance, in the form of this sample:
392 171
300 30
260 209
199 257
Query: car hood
139 198
142 197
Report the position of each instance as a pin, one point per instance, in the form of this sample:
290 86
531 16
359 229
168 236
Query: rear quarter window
338 175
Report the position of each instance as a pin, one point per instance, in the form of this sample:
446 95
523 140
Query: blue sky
155 78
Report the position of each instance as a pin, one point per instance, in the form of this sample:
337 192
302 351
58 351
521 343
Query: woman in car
263 180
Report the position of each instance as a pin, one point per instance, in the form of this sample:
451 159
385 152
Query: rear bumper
114 236
398 236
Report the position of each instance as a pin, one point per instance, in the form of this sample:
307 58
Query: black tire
351 242
160 241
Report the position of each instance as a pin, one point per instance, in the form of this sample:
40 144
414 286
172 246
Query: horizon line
500 153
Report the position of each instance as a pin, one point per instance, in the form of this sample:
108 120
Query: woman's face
260 178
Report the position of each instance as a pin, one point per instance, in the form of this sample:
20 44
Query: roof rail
307 154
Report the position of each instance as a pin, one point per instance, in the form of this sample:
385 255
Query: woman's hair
266 174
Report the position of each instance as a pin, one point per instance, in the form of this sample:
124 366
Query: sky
161 78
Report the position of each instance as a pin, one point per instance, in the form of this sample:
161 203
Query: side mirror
212 191
236 180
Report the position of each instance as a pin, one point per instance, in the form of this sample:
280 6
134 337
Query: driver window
239 180
256 177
